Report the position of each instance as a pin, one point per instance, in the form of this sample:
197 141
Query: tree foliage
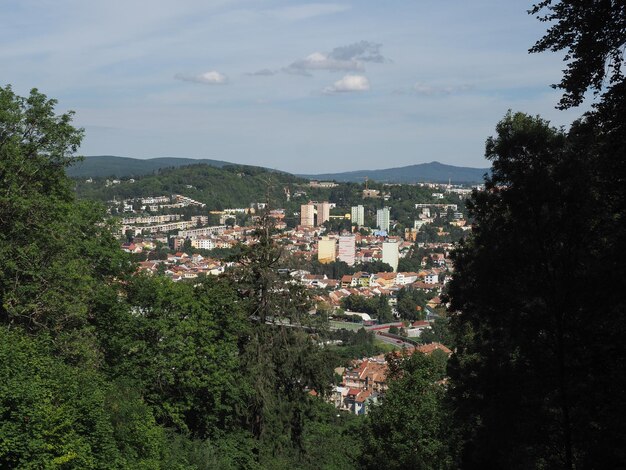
527 363
54 415
411 428
593 34
54 251
377 306
104 368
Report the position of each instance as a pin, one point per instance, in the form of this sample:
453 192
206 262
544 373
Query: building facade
391 254
323 212
382 219
358 215
326 250
347 249
307 215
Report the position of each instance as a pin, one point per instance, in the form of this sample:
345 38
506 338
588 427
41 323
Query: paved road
396 342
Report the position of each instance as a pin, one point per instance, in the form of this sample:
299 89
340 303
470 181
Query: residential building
347 249
307 215
371 193
391 254
382 219
369 375
202 243
323 184
323 212
326 250
410 234
358 215
359 401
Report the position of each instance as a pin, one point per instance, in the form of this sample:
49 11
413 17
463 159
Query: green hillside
229 186
433 172
125 167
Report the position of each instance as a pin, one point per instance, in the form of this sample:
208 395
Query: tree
439 332
521 300
411 428
58 415
593 35
280 362
411 303
374 267
179 344
55 252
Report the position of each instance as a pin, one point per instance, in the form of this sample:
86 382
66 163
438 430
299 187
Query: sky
305 87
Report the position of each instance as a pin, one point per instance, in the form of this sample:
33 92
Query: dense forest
104 368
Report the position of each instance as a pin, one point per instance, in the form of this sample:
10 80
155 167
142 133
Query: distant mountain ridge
434 172
124 167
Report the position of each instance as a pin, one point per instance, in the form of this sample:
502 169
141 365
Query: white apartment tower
347 249
391 254
358 215
382 219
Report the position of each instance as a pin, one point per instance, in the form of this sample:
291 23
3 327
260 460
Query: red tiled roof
431 347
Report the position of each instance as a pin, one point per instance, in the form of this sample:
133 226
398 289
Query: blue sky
306 87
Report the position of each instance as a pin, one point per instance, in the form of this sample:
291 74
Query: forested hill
434 172
125 167
229 186
109 166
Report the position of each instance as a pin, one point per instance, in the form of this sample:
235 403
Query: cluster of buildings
181 266
314 214
364 383
308 241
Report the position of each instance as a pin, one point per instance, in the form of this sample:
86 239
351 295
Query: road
396 342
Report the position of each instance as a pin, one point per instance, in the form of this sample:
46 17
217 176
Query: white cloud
364 51
320 61
210 78
349 83
348 58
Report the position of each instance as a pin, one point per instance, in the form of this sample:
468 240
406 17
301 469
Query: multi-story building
391 254
358 215
323 212
347 249
307 215
382 219
326 250
203 243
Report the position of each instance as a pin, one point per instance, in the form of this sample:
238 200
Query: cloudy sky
300 86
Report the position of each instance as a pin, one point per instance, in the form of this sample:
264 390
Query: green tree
54 251
593 36
280 362
439 332
411 428
412 304
374 267
521 295
54 415
179 343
